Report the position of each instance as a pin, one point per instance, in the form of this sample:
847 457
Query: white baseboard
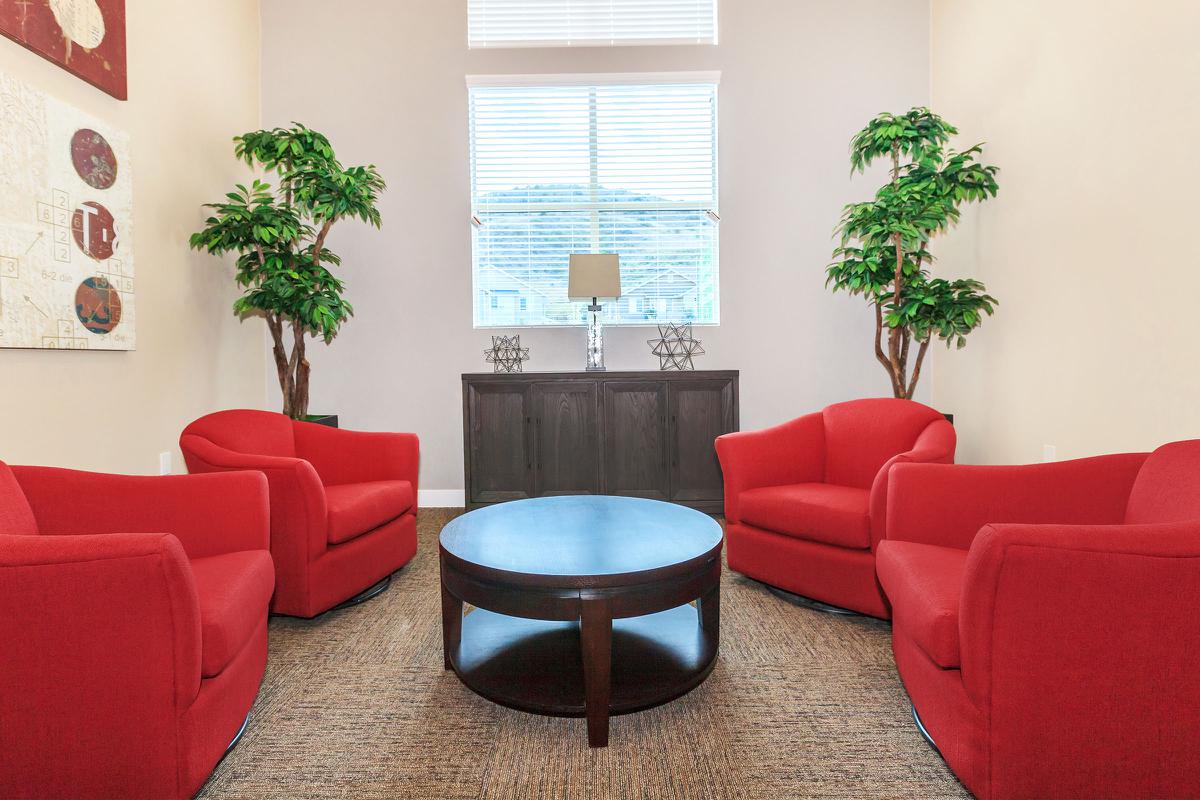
441 498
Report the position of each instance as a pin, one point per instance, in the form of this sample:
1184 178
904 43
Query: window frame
673 41
707 78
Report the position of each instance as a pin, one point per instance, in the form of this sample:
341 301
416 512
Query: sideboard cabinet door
635 439
497 441
700 411
565 438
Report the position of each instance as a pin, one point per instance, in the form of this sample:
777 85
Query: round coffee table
582 604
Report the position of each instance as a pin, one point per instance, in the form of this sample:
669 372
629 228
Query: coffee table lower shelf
537 666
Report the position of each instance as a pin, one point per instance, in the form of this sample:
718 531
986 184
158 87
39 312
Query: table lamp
593 277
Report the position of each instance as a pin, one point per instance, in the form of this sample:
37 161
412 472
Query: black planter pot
323 419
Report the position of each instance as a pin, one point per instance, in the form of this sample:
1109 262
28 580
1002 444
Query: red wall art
84 37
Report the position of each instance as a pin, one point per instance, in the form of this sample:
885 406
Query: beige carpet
356 704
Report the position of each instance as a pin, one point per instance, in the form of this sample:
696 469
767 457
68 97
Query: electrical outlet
1049 453
164 464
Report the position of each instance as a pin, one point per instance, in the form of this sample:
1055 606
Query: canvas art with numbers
66 216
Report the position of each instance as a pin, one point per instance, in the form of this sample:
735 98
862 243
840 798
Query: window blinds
566 23
628 169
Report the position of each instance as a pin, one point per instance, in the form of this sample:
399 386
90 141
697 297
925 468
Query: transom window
622 164
568 23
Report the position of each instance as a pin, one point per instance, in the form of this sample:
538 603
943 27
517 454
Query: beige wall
799 78
193 84
1093 113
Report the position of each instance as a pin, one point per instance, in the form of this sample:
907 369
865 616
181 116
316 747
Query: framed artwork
84 37
66 236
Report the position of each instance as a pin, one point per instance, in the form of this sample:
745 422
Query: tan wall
798 79
194 82
1092 110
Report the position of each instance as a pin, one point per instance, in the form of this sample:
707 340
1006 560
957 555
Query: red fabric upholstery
355 508
941 699
820 571
105 640
1167 488
924 582
861 435
329 540
227 585
259 433
16 517
947 505
793 452
1077 637
210 515
821 512
824 478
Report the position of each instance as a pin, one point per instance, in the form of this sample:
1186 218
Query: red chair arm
342 456
793 452
209 514
204 455
299 521
935 445
946 504
101 657
1082 638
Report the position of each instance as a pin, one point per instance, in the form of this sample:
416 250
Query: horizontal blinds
594 169
564 23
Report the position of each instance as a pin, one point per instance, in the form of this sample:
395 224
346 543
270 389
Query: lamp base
595 339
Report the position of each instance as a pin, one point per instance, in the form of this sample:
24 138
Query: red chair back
1167 488
261 433
861 435
16 517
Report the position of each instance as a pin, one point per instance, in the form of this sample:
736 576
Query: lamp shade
594 276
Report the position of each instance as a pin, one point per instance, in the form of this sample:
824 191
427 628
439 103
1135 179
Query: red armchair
343 503
1045 621
805 500
133 616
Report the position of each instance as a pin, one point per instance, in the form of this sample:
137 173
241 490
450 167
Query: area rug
356 704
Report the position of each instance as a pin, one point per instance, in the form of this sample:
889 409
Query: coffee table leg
709 606
452 617
596 633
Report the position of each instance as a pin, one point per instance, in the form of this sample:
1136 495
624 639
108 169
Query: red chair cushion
924 584
820 512
355 508
235 590
16 517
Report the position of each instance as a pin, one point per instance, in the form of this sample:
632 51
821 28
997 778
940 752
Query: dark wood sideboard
638 434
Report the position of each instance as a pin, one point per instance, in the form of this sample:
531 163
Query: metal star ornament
506 354
675 347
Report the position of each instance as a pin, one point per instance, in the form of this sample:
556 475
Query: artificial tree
884 255
279 237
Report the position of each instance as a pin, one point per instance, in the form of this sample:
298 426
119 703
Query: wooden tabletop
581 537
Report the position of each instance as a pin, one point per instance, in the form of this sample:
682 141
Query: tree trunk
880 356
282 362
300 399
916 375
293 369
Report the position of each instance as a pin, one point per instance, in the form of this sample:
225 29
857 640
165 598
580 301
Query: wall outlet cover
164 464
1049 453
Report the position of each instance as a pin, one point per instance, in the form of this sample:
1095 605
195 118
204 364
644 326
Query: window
565 23
578 165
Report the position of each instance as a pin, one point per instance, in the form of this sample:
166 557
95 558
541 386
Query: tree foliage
279 234
883 252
